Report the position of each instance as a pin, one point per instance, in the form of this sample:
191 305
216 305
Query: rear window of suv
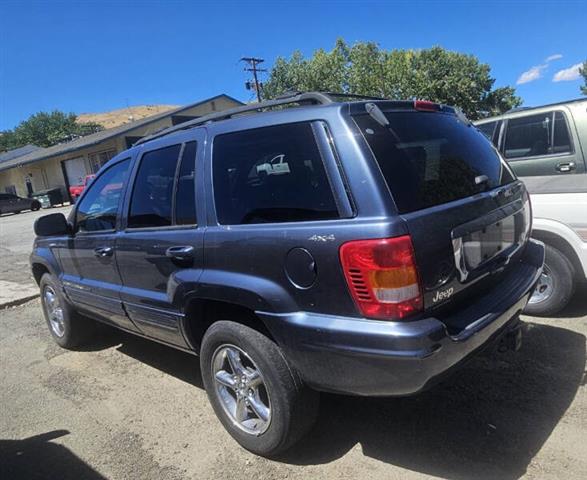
429 159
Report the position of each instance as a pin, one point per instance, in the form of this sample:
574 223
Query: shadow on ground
37 458
487 421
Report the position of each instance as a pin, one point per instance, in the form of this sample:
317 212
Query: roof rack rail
311 98
352 95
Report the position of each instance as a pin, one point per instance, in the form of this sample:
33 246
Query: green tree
7 141
583 71
364 69
46 129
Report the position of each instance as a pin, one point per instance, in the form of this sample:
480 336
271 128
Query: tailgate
461 245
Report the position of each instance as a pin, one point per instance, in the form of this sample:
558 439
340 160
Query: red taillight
426 106
382 277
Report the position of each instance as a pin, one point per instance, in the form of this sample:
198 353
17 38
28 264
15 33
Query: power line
253 62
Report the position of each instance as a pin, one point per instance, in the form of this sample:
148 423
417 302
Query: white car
276 166
560 221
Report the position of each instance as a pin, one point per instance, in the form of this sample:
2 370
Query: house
31 169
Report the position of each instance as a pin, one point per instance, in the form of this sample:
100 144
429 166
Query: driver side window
99 207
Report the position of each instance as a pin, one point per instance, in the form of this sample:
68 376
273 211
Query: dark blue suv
349 245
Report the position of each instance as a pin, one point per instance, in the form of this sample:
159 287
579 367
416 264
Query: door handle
102 252
565 167
185 252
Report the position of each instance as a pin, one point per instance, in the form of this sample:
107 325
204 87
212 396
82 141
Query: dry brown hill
118 117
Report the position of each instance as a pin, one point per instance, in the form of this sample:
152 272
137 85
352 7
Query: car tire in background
35 205
244 371
68 328
555 287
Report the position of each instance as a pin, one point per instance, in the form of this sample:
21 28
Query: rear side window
561 140
151 201
271 174
185 192
536 135
487 129
432 158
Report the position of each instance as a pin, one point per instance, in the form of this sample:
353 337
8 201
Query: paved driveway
126 408
16 240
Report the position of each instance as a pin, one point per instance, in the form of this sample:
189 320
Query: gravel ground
127 408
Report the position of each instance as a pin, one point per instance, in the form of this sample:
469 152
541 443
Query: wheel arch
39 269
563 246
201 313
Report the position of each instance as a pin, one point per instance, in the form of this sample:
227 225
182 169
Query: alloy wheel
54 311
241 389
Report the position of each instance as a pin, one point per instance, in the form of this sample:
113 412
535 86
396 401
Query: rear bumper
370 357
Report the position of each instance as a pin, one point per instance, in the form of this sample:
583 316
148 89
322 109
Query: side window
528 136
98 209
561 140
150 204
271 174
487 129
536 135
185 192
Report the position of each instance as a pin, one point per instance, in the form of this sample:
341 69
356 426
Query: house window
97 160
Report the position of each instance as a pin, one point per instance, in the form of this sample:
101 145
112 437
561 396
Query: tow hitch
512 340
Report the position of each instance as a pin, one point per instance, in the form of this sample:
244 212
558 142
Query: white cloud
530 75
556 56
567 74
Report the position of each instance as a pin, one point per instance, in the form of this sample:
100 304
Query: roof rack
350 96
311 98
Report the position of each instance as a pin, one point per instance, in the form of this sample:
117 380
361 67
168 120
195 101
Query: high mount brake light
382 277
426 106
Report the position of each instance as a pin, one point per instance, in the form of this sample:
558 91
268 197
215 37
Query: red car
76 190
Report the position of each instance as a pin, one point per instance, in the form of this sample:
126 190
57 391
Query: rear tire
556 285
290 407
36 205
68 328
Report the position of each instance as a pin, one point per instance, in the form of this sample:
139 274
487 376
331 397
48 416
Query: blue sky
90 56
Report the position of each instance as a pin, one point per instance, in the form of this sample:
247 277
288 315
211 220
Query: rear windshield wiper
376 114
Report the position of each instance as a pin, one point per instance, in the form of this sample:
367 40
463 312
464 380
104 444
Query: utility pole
253 62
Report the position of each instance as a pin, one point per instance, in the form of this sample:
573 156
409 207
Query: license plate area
484 245
489 243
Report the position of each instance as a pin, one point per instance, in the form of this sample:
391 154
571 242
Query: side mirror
52 225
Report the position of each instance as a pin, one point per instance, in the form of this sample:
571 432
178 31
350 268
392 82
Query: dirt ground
127 408
115 118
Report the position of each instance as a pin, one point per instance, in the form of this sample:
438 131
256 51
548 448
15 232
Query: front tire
555 287
67 327
258 398
36 205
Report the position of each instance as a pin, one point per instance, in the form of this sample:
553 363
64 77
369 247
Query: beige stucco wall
49 173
